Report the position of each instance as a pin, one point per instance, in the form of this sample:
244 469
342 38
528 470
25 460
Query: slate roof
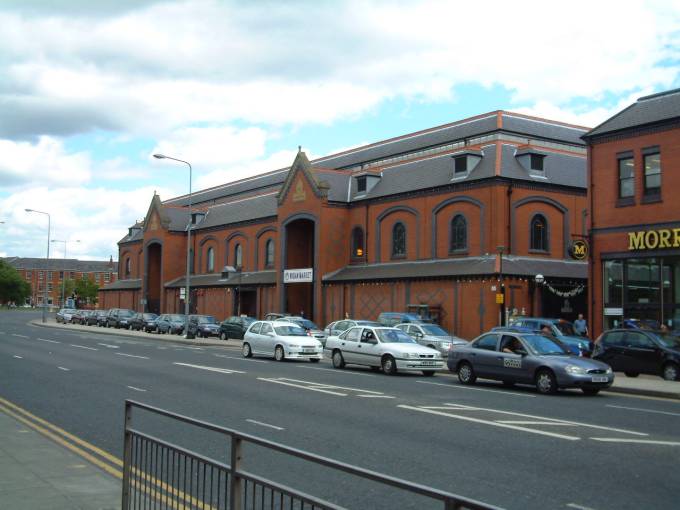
545 129
216 280
240 210
56 264
646 110
468 266
131 284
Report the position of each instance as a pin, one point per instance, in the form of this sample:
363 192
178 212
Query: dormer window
465 162
532 160
461 165
366 181
197 217
361 184
537 162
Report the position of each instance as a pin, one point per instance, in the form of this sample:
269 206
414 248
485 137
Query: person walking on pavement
581 326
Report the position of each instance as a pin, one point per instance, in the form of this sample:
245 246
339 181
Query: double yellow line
113 466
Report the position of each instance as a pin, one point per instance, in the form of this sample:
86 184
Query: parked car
432 336
80 316
170 323
235 327
527 358
642 324
65 314
394 318
143 322
101 316
281 339
337 327
312 329
203 326
381 347
119 318
560 329
272 316
640 351
91 319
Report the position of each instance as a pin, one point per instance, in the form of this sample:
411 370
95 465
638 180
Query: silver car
337 327
432 336
528 358
382 347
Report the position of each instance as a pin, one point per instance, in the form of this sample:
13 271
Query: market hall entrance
299 254
153 278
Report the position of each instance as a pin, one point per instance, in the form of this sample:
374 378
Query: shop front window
613 283
643 277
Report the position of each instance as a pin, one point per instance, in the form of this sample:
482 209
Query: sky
89 91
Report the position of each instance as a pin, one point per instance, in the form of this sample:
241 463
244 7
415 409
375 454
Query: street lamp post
501 249
63 279
187 297
49 226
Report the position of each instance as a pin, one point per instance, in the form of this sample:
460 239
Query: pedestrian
581 326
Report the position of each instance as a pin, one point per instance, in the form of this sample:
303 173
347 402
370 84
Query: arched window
128 266
238 256
539 233
398 240
458 233
210 261
269 253
357 242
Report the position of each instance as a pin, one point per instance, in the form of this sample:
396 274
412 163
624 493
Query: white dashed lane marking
341 391
50 341
109 346
64 369
643 410
635 441
262 424
210 369
83 347
17 357
130 355
135 388
20 336
240 359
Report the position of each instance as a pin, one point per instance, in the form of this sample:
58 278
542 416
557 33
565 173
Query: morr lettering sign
654 239
298 275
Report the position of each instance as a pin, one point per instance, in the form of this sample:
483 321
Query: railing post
235 501
127 456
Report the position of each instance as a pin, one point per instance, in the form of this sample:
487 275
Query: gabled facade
413 222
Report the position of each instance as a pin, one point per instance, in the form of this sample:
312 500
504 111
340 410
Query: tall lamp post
187 297
501 285
63 279
49 226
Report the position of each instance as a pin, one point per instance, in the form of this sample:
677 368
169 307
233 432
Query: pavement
643 385
38 473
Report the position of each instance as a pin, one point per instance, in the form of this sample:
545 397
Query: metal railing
160 474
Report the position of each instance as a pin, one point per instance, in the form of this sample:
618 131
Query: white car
381 347
280 339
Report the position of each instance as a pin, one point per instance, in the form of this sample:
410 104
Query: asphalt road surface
508 447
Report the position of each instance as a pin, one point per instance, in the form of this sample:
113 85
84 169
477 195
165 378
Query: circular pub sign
578 249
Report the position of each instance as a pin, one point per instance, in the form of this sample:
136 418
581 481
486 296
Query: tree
12 286
87 291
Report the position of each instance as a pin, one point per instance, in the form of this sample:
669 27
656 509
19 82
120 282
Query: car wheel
389 366
590 391
223 336
670 372
338 360
428 373
546 383
246 351
466 374
279 355
631 374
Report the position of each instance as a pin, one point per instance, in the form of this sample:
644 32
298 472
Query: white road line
241 359
634 441
577 423
50 341
83 347
264 424
322 385
17 357
136 389
529 422
210 369
64 369
192 348
456 387
130 355
375 396
110 346
335 371
643 410
579 507
277 381
492 423
20 336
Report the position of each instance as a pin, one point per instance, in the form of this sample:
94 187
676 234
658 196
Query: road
508 447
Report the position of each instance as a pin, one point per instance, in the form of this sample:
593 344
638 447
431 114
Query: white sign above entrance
298 275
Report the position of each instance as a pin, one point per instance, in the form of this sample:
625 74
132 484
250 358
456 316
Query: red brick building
41 273
634 162
413 221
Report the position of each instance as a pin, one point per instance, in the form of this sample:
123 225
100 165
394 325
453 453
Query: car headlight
411 355
609 371
446 345
576 370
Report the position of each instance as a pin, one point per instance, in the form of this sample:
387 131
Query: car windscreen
126 313
394 336
207 319
566 328
305 323
150 316
434 330
290 330
543 345
368 323
670 341
176 318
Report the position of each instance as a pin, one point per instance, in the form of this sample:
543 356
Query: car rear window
290 330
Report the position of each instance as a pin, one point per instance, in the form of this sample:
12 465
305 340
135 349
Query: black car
202 326
235 327
80 316
170 323
99 318
119 318
143 322
640 351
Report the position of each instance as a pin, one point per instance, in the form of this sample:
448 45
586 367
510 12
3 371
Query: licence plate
600 378
428 363
309 351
